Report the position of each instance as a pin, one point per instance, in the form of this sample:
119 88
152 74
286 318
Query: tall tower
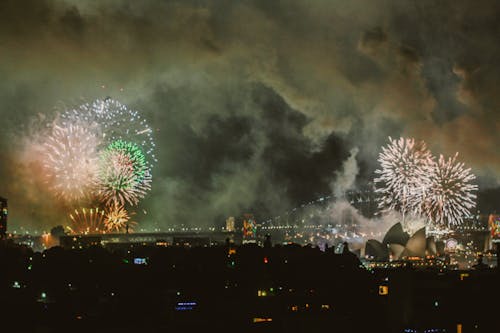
3 217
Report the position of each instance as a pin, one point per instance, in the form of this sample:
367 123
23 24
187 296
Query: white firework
112 122
117 122
403 179
451 196
70 160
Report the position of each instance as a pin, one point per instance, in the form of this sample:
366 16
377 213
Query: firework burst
70 161
451 195
123 174
116 122
404 177
98 152
87 220
117 219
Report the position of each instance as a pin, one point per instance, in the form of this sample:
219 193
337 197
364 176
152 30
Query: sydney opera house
397 245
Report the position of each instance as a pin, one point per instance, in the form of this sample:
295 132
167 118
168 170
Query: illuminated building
416 245
3 217
396 235
230 224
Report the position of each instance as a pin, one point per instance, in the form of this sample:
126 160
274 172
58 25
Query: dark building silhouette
268 243
3 217
282 288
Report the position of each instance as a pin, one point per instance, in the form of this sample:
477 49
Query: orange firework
87 221
118 219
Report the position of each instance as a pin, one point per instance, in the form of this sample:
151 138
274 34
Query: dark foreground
236 289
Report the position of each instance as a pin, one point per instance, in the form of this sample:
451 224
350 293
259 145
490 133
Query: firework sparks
117 122
451 195
99 153
86 220
124 176
412 181
404 177
70 161
117 219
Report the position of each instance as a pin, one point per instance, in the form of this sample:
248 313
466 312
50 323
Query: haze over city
255 107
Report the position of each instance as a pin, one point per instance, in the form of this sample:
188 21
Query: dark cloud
255 104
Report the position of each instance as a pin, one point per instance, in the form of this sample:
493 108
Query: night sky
257 106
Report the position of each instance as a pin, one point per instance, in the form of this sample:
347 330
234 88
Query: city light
262 320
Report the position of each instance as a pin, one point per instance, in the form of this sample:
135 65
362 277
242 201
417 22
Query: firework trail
404 177
86 220
451 195
70 161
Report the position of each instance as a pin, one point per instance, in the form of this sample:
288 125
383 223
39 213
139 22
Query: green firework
133 155
124 174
